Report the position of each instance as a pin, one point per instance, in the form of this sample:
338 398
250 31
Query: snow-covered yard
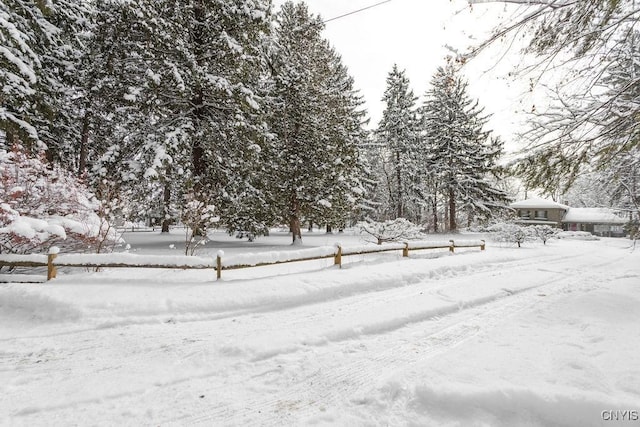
536 336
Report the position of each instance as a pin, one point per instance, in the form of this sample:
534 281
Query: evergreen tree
40 42
220 58
397 135
342 133
61 127
317 125
25 35
172 105
121 141
459 152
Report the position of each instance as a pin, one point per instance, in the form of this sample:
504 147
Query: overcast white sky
413 34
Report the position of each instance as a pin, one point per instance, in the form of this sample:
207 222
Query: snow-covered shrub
544 232
577 235
390 231
198 217
42 205
511 233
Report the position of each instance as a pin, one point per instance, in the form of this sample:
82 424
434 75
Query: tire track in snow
332 383
337 383
370 286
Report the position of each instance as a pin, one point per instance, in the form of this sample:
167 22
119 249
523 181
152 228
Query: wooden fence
52 261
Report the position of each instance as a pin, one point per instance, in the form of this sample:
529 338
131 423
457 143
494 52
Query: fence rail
124 260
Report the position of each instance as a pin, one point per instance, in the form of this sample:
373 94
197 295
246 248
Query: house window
542 215
525 214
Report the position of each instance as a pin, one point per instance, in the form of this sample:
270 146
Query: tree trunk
329 230
197 151
166 207
84 145
294 219
452 211
434 206
400 211
198 112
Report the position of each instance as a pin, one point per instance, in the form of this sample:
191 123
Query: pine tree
41 44
221 62
317 123
61 127
397 135
459 152
25 35
343 133
120 143
172 107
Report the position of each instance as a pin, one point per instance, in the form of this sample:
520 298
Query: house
599 221
540 212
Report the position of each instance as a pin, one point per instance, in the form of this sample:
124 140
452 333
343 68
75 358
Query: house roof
593 215
536 203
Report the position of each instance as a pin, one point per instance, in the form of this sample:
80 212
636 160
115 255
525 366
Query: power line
356 11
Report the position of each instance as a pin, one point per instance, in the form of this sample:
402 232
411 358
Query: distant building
540 212
599 221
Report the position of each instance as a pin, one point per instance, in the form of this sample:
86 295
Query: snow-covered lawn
536 336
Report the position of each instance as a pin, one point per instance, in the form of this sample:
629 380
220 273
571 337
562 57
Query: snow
25 126
537 336
324 203
133 94
25 258
370 248
593 215
135 259
25 70
537 203
29 228
278 256
155 77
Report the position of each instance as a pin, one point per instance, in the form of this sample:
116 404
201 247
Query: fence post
52 272
337 258
482 245
219 264
451 246
405 250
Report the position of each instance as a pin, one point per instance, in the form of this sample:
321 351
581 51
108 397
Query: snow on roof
536 203
593 215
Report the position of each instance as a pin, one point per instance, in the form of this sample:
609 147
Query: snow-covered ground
536 336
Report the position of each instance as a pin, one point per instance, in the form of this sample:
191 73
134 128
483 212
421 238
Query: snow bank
371 248
429 244
35 258
462 404
577 235
277 256
19 303
543 337
468 243
127 259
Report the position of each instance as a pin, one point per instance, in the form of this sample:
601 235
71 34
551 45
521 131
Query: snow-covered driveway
544 335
